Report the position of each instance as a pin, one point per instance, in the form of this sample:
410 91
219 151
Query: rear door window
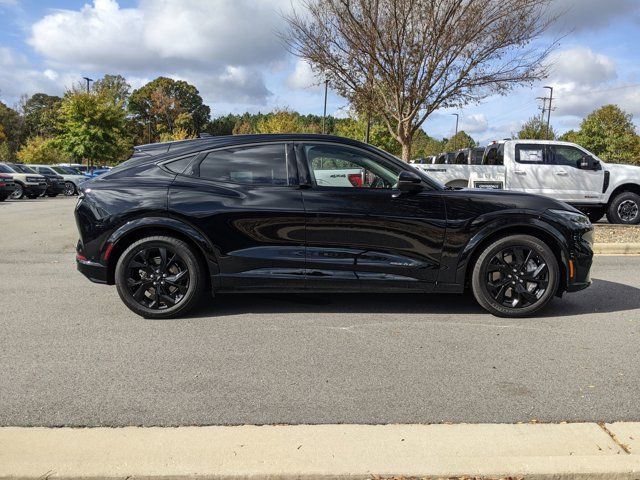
266 164
531 153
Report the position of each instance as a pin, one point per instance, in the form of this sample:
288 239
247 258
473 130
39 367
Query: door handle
519 172
562 173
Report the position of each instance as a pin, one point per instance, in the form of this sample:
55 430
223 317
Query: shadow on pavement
602 297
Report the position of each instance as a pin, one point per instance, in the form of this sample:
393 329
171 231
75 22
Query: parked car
72 180
77 167
564 171
244 214
29 184
7 186
55 183
95 172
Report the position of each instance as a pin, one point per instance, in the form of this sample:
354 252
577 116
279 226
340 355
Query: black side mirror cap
409 182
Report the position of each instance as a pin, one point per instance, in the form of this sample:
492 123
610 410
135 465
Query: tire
69 189
142 287
493 280
624 209
595 214
18 193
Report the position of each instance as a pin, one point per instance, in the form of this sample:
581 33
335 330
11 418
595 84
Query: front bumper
580 260
35 188
7 188
55 187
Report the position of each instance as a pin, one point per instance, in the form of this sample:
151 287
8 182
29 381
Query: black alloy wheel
159 277
515 276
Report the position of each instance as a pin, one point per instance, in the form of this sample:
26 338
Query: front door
361 231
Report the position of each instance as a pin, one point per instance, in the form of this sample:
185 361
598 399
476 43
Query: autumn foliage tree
536 129
404 59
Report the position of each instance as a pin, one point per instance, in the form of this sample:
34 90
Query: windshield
6 168
22 169
46 170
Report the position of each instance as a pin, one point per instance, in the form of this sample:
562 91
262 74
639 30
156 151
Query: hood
506 199
620 168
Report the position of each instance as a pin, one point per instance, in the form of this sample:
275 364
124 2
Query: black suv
295 213
55 182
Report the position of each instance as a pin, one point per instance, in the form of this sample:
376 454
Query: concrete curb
616 248
535 451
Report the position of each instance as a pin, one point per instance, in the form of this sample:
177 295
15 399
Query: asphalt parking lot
72 354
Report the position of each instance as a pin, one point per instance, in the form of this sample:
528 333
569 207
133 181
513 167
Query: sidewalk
541 451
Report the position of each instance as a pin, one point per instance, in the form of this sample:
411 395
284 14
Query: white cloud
582 65
225 45
303 77
17 76
476 123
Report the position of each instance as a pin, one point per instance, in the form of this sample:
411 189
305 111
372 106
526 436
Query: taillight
355 179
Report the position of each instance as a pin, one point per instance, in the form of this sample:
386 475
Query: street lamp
549 110
89 80
455 143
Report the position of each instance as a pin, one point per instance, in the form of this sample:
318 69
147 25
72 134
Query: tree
458 141
356 128
41 150
281 121
14 131
426 146
536 129
162 100
92 127
41 114
113 87
222 125
609 132
404 59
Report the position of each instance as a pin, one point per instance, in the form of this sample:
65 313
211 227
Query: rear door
246 199
366 234
530 171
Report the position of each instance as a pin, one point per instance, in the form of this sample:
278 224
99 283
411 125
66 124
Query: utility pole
549 110
455 144
324 113
89 80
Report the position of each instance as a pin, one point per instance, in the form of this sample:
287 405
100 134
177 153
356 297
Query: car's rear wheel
159 277
69 189
625 209
18 192
515 276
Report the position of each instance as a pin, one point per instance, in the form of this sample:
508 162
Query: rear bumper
95 272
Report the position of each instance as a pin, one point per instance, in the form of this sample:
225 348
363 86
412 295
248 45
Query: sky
230 50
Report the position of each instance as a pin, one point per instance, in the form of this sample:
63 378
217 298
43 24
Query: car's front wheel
69 189
159 277
18 192
515 276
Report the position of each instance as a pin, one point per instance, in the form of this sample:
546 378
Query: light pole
455 143
89 80
549 111
324 113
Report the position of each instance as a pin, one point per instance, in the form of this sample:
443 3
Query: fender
167 223
510 223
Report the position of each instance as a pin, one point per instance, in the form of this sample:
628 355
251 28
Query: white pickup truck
454 169
564 171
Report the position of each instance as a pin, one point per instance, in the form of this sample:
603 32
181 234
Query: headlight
578 219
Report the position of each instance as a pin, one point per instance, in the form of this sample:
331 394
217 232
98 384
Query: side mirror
589 163
409 182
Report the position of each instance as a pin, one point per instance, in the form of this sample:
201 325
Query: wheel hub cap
628 210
